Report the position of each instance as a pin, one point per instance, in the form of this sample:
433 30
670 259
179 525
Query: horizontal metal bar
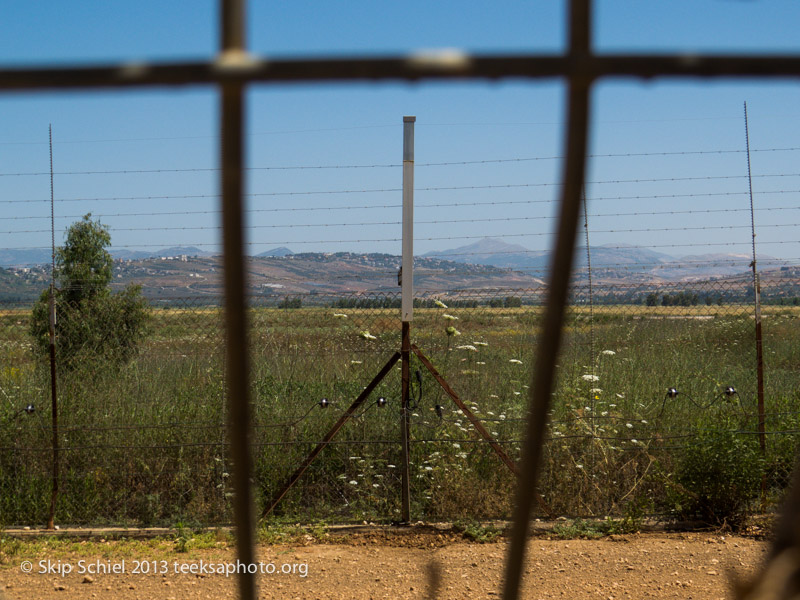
241 67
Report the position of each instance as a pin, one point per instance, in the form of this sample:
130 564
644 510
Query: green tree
91 322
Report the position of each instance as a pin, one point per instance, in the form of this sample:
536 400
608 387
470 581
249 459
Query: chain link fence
646 374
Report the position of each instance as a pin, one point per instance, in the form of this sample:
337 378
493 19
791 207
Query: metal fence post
407 307
52 330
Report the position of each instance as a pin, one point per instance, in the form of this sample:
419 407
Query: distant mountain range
282 251
486 264
613 262
40 256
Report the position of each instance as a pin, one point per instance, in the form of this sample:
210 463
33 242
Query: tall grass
145 444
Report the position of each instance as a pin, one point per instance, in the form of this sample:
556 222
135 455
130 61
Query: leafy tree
91 322
289 302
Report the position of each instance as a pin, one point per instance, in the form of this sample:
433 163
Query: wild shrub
718 477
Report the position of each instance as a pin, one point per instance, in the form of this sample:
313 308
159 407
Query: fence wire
142 436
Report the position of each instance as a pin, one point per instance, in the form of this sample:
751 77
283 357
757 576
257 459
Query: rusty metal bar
332 433
246 68
232 26
52 331
762 431
476 423
405 423
560 269
237 361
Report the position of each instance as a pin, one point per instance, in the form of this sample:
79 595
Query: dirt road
664 566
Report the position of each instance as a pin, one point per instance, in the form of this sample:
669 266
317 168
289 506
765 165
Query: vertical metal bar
237 356
232 15
407 283
52 330
407 312
405 422
560 268
762 431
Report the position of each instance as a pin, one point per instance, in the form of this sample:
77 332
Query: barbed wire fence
656 353
145 444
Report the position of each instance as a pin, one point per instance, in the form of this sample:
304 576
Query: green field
145 444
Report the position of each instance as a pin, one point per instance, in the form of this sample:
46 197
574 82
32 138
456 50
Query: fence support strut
332 433
476 423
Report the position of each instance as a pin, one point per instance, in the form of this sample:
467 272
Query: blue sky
683 141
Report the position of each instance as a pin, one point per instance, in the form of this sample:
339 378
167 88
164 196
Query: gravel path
664 566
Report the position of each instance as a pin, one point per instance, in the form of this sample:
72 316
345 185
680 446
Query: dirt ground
377 565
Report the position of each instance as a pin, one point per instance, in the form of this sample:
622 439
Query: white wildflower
440 304
340 315
481 343
469 347
515 361
353 482
608 352
589 377
450 317
629 425
367 335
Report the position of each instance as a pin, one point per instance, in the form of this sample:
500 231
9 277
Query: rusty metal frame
234 69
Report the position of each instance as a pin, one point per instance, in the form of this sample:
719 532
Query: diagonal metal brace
476 423
332 433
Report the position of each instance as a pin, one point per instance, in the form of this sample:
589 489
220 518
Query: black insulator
324 403
730 391
439 408
672 393
381 402
29 409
